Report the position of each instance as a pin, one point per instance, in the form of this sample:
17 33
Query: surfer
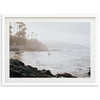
48 54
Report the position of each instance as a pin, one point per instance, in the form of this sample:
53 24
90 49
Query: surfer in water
49 54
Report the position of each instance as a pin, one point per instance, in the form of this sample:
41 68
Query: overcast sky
71 32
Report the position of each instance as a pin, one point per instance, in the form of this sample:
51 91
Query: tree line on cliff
20 41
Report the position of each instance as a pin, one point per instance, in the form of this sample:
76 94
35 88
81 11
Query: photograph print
49 50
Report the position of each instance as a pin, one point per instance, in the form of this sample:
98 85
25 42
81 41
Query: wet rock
14 72
16 62
18 69
47 72
64 75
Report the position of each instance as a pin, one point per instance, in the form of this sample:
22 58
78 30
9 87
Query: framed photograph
48 50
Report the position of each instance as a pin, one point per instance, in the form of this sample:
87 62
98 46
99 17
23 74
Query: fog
77 33
68 32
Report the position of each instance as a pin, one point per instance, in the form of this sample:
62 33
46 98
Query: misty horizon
63 32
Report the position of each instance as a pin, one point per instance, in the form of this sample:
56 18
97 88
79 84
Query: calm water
76 62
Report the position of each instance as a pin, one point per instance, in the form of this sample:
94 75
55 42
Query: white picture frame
6 81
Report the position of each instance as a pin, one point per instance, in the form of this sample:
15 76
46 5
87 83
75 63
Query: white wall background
51 7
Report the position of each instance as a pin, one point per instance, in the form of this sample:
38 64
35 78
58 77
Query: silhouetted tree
32 35
21 29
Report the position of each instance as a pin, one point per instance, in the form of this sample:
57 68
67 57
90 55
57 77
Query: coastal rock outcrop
64 75
19 69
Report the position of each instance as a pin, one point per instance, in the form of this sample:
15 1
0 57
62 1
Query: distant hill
63 45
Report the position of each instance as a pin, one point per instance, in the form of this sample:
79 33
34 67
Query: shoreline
19 57
19 70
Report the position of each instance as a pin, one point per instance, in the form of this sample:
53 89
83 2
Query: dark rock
89 73
18 69
15 73
30 69
64 75
43 71
16 62
47 72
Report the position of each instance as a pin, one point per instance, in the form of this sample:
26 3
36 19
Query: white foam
76 62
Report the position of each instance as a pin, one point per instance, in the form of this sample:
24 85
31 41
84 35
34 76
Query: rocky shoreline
19 70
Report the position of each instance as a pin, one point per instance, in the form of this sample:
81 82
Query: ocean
75 61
